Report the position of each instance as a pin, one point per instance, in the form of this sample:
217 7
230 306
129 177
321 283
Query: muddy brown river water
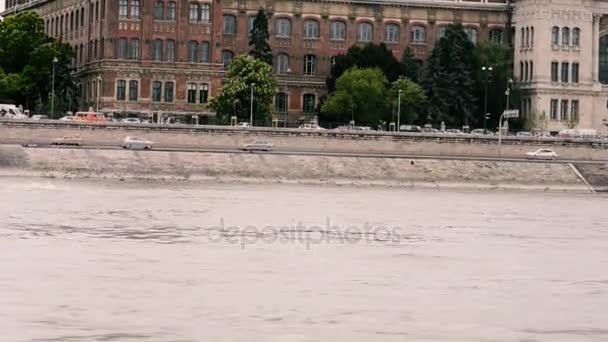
128 261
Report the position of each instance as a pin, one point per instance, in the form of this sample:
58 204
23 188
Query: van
410 129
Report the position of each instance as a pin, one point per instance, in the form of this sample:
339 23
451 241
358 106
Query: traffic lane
158 148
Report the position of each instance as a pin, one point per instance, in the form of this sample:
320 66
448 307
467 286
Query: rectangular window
157 48
191 93
168 91
574 110
170 51
171 11
309 65
531 70
123 9
564 110
135 9
133 90
554 67
280 103
121 90
134 53
553 109
205 52
156 91
565 67
122 48
204 93
575 68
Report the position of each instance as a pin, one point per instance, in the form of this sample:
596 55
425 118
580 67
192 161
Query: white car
131 120
73 140
523 134
67 118
543 153
39 117
137 143
244 124
310 126
257 146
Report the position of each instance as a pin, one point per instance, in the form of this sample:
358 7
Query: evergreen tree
259 38
411 66
450 79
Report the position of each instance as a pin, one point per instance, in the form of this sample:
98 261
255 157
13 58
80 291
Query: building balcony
282 42
229 39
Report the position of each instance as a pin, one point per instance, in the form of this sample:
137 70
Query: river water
121 261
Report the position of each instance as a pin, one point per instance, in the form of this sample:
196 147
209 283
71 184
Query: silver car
137 143
257 146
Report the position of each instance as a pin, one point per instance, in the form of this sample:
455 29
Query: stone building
159 57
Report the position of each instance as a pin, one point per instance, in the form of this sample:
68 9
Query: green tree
360 94
259 38
450 79
370 56
413 99
234 96
411 66
26 56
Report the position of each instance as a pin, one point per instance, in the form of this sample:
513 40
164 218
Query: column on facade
596 50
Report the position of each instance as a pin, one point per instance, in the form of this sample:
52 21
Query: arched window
228 24
308 103
576 37
205 52
157 50
227 58
193 52
555 35
194 12
565 36
532 36
282 63
527 41
72 21
283 27
471 34
170 51
418 34
310 63
171 11
337 30
496 36
134 50
191 92
365 32
311 29
159 10
391 33
522 38
525 71
603 76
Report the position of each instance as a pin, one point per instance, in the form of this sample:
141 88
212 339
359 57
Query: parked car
257 146
453 131
244 124
131 120
137 143
70 140
310 126
523 134
40 117
543 153
67 118
481 131
410 129
430 130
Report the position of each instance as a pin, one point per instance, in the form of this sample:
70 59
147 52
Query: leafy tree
450 80
412 99
411 66
360 94
26 56
259 38
234 96
370 56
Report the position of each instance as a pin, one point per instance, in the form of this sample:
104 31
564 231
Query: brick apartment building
167 57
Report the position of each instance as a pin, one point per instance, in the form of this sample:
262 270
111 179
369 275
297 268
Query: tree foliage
259 38
360 94
370 56
26 58
450 79
234 96
413 99
411 66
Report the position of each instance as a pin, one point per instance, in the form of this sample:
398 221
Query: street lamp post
399 110
487 71
55 61
286 101
99 91
508 93
251 108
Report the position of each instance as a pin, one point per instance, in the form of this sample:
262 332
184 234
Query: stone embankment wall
346 143
254 167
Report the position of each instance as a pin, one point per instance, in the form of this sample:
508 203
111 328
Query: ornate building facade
160 57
